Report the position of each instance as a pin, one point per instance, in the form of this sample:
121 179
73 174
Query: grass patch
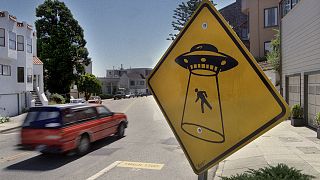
279 172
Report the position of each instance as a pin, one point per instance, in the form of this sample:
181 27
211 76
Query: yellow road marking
14 157
140 165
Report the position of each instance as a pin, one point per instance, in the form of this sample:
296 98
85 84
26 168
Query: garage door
293 90
313 98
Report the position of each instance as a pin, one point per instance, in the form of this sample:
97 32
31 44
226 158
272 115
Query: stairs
36 97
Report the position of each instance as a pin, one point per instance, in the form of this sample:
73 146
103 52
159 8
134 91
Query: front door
35 82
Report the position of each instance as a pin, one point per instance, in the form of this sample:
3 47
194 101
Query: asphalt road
148 140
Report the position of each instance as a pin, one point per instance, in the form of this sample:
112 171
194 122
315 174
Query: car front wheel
121 131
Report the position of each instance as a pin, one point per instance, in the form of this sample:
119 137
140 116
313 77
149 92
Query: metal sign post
203 176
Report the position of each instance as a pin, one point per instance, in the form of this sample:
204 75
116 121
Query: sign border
247 57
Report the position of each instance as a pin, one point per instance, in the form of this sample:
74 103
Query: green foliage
296 111
57 98
4 119
279 172
317 119
273 57
261 59
182 14
106 96
61 46
88 84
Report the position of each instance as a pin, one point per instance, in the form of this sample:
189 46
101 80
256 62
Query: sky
128 32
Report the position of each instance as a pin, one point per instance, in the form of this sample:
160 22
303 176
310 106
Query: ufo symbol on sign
206 57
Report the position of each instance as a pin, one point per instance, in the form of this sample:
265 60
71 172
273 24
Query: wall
258 34
300 37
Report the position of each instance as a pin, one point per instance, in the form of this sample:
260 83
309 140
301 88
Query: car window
103 111
41 118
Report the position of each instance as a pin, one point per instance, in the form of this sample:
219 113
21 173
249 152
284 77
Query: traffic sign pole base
203 176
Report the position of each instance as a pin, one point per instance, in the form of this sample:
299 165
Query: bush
4 119
57 98
106 96
261 59
317 119
281 171
296 111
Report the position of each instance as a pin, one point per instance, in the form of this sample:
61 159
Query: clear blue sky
128 32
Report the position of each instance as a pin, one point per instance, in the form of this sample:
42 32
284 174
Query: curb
10 129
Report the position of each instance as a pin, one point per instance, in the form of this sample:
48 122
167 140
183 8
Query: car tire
83 145
121 131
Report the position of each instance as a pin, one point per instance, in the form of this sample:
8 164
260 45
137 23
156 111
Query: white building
300 55
132 80
18 76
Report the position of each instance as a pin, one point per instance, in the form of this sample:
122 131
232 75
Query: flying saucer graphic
202 115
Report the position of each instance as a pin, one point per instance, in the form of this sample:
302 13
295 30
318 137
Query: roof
36 60
134 75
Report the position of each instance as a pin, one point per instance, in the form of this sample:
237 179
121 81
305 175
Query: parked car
63 128
95 99
130 95
119 95
77 101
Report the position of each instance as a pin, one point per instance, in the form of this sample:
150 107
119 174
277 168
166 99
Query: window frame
9 70
264 17
19 43
264 47
1 69
29 45
19 76
13 40
4 37
29 75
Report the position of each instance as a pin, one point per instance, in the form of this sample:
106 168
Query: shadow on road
53 161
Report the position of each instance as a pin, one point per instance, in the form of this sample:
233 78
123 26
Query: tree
88 84
273 56
61 46
182 14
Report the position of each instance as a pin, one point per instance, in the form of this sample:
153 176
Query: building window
20 43
2 37
29 45
271 17
6 70
29 75
12 40
20 74
132 83
141 82
0 69
267 47
287 5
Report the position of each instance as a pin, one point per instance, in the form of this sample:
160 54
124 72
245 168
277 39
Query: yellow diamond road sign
212 92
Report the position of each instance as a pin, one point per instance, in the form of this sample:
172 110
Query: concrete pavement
295 146
15 122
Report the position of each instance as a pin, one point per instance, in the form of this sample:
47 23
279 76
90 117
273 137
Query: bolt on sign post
212 92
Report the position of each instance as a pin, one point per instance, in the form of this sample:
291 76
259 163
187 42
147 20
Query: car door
109 122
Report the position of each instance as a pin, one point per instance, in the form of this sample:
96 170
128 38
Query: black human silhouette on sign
203 96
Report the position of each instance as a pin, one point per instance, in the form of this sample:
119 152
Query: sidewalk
295 146
15 122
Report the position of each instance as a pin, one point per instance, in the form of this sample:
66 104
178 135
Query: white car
77 101
130 95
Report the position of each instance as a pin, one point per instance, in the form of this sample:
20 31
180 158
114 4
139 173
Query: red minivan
62 128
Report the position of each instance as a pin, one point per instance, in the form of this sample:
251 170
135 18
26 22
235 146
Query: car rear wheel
83 145
121 130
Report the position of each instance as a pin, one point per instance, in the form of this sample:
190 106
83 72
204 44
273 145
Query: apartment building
132 80
21 72
300 55
263 19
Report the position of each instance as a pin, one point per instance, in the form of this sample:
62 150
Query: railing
42 97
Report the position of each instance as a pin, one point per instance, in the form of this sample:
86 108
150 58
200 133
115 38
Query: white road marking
105 170
130 105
